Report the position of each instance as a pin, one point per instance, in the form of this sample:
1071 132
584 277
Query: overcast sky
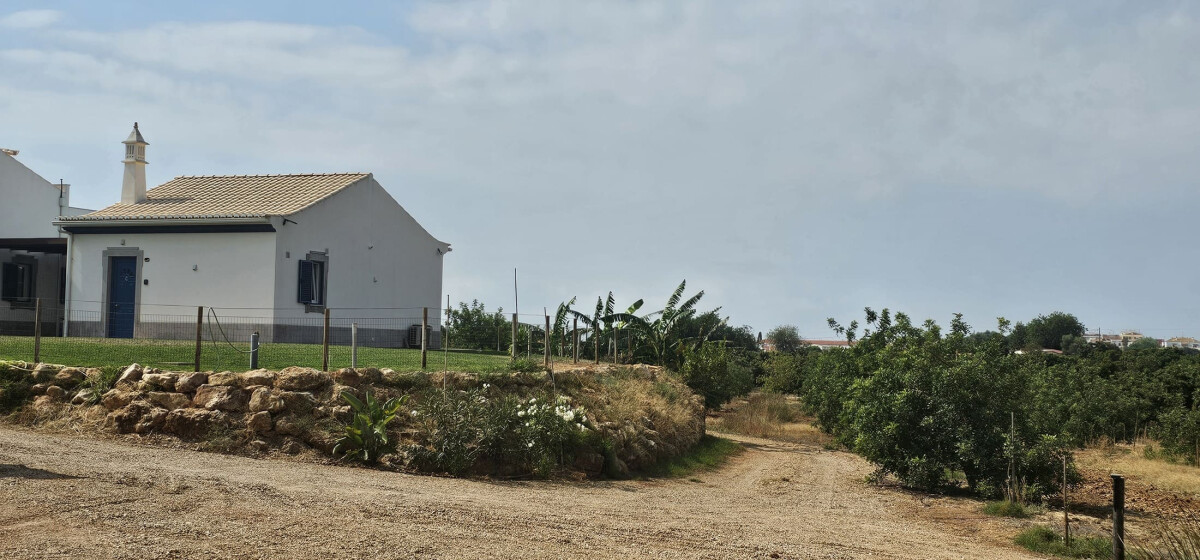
796 160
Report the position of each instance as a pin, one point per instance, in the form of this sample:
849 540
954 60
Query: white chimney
133 187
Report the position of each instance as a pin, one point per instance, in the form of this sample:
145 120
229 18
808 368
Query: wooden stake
1066 513
1118 531
199 324
513 349
424 337
575 339
546 337
37 331
596 339
325 343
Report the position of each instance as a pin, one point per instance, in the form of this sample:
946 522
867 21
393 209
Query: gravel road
78 497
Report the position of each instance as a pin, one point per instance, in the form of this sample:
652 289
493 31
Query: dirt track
71 497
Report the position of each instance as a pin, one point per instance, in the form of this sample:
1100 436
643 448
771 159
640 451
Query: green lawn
179 354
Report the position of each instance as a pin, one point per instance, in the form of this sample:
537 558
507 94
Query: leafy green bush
526 365
709 372
463 430
366 436
94 387
14 387
1179 434
1006 508
1046 541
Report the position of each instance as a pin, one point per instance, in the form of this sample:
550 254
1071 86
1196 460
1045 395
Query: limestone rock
347 376
153 420
264 400
321 441
194 422
169 401
43 401
225 379
117 398
293 447
69 377
221 397
38 389
44 373
93 372
83 397
189 382
258 377
301 379
55 393
260 422
335 397
288 426
260 446
298 402
160 381
125 419
132 374
370 375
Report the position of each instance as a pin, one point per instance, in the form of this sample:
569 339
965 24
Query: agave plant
366 436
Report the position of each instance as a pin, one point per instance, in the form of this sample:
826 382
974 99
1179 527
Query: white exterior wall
28 203
379 256
233 270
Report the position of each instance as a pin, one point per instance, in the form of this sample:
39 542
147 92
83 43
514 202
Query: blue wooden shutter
306 282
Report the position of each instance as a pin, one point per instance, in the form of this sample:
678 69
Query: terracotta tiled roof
228 196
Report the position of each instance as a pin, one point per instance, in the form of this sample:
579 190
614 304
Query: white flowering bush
474 430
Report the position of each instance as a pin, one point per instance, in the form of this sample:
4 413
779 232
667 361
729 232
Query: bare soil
66 496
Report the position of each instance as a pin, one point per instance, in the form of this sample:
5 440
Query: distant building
829 344
1182 342
766 345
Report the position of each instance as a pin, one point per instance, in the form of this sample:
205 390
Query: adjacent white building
275 250
31 249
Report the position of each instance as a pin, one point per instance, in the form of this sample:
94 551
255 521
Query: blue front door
122 289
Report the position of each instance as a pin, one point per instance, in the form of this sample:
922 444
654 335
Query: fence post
199 326
424 336
546 337
513 349
575 340
37 331
254 350
596 339
353 345
1066 515
1118 531
325 343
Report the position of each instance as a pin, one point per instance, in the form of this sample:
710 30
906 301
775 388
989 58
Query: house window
312 290
17 282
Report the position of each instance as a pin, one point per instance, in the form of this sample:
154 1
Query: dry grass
770 415
1131 461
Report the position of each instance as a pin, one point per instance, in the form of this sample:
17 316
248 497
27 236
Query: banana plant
658 328
366 436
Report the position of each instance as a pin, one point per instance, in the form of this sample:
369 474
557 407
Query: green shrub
1046 541
709 372
526 365
1006 508
459 431
14 387
97 385
366 436
1179 434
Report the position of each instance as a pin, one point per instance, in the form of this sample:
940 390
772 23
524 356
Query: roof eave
198 220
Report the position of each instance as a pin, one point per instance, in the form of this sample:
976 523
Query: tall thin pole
199 323
513 349
575 339
546 341
1066 512
353 345
325 343
424 337
1118 531
516 299
445 332
37 330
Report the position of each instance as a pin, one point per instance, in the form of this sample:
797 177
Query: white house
272 250
31 248
1182 342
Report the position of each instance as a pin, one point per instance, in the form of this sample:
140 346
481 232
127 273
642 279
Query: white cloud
639 121
31 19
